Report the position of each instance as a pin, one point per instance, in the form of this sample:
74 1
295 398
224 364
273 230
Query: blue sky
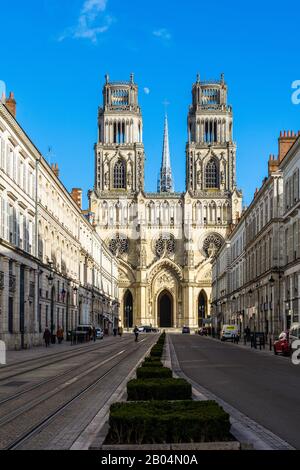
55 53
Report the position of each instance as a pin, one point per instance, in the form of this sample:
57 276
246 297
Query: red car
282 345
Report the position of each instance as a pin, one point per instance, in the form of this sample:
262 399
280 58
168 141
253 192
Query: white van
294 332
228 332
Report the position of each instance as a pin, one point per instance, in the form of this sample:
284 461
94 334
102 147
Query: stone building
256 273
54 268
165 241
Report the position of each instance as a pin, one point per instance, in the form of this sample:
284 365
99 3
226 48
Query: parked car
83 332
186 329
99 333
282 344
229 332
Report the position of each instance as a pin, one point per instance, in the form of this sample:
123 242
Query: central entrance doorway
165 310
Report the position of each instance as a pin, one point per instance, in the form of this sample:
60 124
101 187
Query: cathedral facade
165 241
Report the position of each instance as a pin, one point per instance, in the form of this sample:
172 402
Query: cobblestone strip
243 428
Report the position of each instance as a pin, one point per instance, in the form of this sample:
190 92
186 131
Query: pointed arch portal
202 308
165 309
128 310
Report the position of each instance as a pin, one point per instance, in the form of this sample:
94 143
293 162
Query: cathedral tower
210 151
119 152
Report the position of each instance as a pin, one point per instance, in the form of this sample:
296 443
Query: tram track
56 399
62 356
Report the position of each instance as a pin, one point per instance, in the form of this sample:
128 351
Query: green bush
158 389
157 422
151 359
156 351
153 372
156 363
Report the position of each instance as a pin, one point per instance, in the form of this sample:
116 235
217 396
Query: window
119 175
211 175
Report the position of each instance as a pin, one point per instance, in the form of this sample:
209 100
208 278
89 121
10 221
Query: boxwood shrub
152 364
167 422
151 359
153 372
156 351
159 389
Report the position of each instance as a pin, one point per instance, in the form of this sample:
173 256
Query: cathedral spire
165 183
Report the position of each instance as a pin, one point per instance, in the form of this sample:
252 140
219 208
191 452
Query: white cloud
162 33
91 22
146 90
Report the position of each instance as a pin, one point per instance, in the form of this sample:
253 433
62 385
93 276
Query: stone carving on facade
189 258
119 245
165 246
142 256
212 244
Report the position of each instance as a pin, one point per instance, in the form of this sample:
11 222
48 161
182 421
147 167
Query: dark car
186 329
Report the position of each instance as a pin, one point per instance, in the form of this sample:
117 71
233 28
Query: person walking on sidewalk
47 337
94 334
60 335
136 332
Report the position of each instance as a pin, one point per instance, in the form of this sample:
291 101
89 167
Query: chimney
55 169
273 164
285 142
11 104
76 195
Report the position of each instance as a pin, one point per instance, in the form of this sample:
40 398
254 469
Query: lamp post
250 294
75 290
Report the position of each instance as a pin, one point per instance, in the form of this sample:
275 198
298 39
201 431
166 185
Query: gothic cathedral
165 240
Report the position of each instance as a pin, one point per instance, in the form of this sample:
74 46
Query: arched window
120 175
211 174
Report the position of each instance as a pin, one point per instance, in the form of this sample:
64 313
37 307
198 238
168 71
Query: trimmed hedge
159 389
157 422
153 373
156 351
152 364
151 359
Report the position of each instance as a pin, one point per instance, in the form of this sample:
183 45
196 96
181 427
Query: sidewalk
247 346
14 357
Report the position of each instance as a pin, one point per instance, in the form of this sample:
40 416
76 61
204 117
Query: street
47 401
262 386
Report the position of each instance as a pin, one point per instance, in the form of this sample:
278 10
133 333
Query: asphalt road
264 387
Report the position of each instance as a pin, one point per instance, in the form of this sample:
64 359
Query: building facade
290 233
165 241
259 286
54 268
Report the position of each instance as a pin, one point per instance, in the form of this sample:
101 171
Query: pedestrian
115 331
94 333
90 334
47 337
136 332
60 335
120 331
247 333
